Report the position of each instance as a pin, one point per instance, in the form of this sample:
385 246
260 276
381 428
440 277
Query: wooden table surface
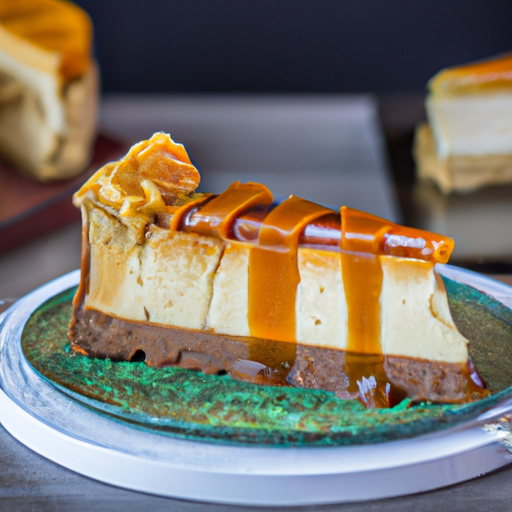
29 482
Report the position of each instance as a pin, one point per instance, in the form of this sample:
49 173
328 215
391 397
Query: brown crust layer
99 335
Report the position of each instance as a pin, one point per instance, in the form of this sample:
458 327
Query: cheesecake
467 142
284 293
48 88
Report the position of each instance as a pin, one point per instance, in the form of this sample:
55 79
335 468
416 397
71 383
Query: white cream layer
472 124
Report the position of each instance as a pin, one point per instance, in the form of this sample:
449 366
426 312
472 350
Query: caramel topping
157 176
362 281
154 173
83 287
364 238
53 25
181 214
273 281
273 272
219 214
363 232
481 76
160 160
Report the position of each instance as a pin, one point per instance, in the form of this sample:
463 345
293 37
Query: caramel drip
362 281
273 271
179 215
362 235
218 215
83 285
273 281
364 239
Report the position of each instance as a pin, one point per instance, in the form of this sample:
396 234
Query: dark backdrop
291 45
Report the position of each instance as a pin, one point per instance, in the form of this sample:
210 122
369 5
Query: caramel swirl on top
217 216
157 177
153 174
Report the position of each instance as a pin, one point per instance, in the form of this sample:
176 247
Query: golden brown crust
461 173
101 335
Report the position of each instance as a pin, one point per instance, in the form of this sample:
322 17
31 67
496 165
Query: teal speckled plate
193 405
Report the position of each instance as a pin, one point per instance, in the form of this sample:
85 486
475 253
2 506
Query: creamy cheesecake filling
462 173
202 282
282 277
472 124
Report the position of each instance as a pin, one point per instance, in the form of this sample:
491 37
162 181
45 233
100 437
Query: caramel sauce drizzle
83 285
392 239
361 238
218 215
273 271
180 214
273 281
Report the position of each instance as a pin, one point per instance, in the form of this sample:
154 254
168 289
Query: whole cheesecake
288 293
467 142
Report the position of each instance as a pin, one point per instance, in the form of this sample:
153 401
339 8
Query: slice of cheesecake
467 142
48 87
283 294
